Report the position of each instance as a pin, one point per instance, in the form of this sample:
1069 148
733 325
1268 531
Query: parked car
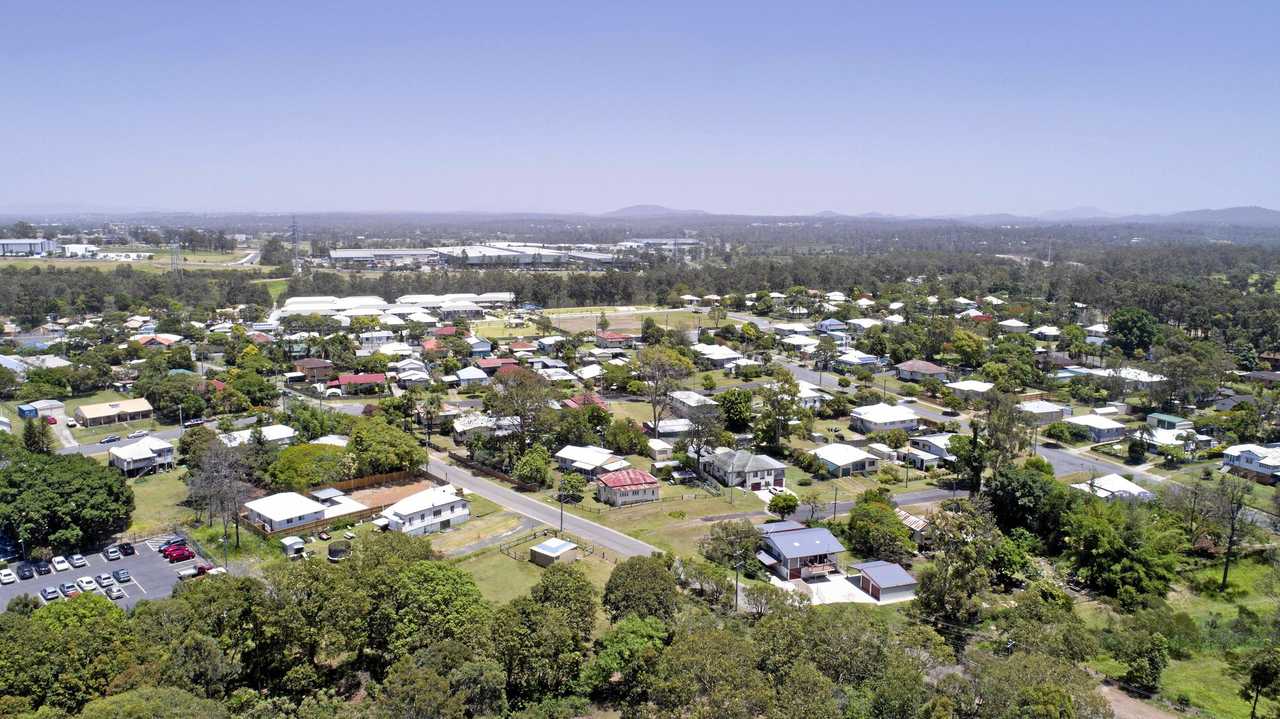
181 555
86 584
43 568
50 420
126 548
112 554
71 422
69 589
49 594
60 564
122 576
25 572
174 548
137 433
78 561
198 570
7 576
115 593
109 439
195 422
105 580
170 542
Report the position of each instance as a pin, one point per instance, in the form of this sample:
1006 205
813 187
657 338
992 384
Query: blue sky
917 108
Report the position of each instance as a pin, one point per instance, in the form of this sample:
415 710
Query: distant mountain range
641 211
1247 216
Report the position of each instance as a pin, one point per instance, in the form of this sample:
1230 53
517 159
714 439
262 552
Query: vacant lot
157 503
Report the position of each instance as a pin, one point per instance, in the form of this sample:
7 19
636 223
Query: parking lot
152 576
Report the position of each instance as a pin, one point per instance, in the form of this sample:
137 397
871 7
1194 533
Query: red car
167 551
181 554
50 420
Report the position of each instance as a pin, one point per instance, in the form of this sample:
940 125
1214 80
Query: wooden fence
491 472
348 485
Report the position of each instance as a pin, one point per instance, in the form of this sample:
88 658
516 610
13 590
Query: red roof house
627 486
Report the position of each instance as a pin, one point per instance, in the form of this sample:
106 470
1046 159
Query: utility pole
835 501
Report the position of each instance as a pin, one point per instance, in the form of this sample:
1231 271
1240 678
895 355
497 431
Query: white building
1113 486
277 434
687 403
588 460
281 511
969 388
717 356
1100 429
142 456
430 510
843 460
1259 462
1041 412
883 417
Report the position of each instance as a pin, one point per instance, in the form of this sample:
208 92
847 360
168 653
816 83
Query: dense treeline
31 294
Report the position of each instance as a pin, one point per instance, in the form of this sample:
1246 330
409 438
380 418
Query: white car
137 434
86 584
71 422
60 564
7 576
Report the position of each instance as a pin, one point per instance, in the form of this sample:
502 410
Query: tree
524 396
533 469
1259 672
571 488
874 530
710 673
783 504
641 586
660 369
538 647
735 408
970 347
567 588
411 690
625 436
62 501
303 466
1121 550
1232 497
780 407
731 541
706 431
154 703
624 658
1132 330
1145 657
435 601
36 436
379 448
193 444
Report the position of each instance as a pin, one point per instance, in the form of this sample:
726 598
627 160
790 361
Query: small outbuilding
885 581
553 550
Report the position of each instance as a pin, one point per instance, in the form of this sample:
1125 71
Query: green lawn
502 578
1206 681
673 526
276 287
157 499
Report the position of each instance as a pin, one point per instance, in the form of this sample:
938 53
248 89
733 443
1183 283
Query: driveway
598 534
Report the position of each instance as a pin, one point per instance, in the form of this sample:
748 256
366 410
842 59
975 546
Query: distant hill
637 211
1086 212
1252 216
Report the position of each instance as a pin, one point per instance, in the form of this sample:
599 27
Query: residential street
609 540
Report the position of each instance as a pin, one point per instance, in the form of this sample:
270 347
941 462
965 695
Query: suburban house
589 460
830 325
275 434
661 450
479 345
588 399
368 382
314 369
740 468
810 397
430 510
1113 486
282 511
605 338
627 486
491 365
853 359
1013 326
1260 463
938 445
1100 428
126 410
466 377
843 460
1046 333
860 325
1168 421
715 356
373 340
885 581
919 459
914 370
969 389
687 403
142 456
881 417
794 551
1039 412
1188 439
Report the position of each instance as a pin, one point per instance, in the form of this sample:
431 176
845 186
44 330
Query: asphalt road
603 537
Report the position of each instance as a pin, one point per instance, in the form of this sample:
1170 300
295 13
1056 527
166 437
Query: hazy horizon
926 110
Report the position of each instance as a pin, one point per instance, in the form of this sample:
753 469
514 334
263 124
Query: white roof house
1013 325
716 354
863 323
882 417
1046 332
841 455
800 342
273 434
993 300
854 358
1113 486
589 459
970 386
283 510
1096 422
428 511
